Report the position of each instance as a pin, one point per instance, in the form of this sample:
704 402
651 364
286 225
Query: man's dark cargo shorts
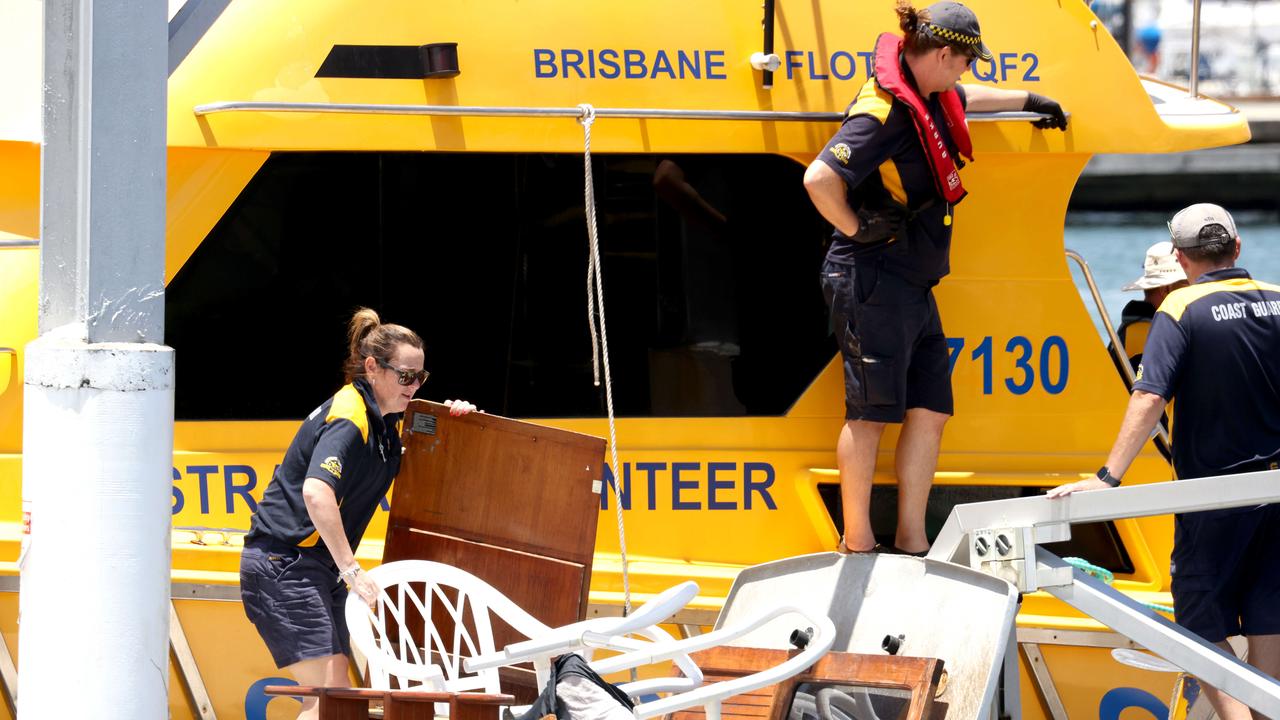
296 602
890 337
1226 572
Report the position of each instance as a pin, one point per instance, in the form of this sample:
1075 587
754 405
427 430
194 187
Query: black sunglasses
406 377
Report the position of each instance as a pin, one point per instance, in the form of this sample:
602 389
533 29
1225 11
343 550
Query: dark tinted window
1097 542
710 270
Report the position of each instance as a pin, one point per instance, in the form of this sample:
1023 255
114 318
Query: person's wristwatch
1105 476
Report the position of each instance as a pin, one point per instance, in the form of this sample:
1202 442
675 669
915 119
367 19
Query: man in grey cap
1215 346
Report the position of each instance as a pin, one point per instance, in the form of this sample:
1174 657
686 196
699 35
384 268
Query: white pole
94 602
98 398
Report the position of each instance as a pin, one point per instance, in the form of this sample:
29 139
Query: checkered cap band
950 35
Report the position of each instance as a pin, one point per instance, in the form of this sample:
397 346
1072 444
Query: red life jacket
889 76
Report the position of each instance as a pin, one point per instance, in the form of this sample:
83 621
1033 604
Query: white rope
595 303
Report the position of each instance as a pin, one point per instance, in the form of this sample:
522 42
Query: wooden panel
550 590
919 675
494 480
353 703
510 502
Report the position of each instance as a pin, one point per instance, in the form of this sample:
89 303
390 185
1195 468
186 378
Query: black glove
878 225
1038 103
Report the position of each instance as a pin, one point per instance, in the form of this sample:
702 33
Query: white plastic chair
470 662
467 659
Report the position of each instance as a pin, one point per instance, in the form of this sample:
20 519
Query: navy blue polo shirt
1215 348
347 443
877 152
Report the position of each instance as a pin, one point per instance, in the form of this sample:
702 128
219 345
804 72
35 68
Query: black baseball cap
955 24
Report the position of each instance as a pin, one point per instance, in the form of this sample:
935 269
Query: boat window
1098 542
710 273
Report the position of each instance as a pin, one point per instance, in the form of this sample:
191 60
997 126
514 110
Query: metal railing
1032 520
1121 357
565 112
1194 87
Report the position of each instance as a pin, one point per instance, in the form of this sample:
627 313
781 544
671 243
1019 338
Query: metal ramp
941 610
1001 538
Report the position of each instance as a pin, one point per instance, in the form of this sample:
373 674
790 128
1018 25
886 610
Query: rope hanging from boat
600 344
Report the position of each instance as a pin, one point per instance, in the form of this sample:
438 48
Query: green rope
1107 577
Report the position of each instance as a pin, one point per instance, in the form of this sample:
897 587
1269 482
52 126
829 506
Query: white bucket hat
1159 268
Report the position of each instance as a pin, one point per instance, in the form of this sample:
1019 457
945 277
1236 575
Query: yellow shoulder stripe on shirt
349 405
1176 304
872 100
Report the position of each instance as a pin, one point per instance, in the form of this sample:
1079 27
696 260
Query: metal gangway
1002 538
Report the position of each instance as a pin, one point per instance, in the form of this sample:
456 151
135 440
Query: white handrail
711 695
1035 517
565 112
569 637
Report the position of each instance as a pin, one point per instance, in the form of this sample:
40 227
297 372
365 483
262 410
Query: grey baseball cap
1191 226
955 24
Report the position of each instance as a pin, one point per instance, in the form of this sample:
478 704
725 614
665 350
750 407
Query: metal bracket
188 672
1009 554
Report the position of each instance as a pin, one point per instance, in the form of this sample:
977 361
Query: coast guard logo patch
842 153
333 466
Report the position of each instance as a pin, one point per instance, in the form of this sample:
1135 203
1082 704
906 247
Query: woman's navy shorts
890 337
296 602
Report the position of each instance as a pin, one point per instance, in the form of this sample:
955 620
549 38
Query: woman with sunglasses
299 556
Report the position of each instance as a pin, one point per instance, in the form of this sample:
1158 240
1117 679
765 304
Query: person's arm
339 443
827 191
856 151
984 98
322 507
1139 420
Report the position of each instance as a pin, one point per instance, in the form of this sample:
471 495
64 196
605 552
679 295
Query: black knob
892 643
1003 545
982 546
800 638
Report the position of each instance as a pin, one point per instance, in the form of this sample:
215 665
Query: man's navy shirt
348 444
1215 348
877 145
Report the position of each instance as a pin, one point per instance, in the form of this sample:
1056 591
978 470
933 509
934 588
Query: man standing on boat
888 181
1214 346
1161 275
